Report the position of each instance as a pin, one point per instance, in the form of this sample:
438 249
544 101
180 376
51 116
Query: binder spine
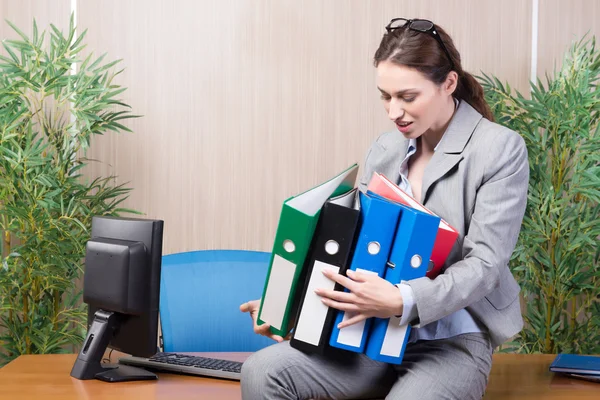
285 270
409 259
332 248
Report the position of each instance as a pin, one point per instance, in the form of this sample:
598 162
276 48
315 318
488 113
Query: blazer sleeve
490 238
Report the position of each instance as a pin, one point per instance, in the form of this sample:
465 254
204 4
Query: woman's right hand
252 307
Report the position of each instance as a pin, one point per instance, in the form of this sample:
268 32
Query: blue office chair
200 295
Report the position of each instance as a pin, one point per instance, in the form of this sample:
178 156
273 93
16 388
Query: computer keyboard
185 364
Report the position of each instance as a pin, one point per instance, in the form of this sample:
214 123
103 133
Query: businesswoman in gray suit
474 173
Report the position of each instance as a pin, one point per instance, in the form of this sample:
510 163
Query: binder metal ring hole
289 246
373 248
391 264
416 261
332 247
430 266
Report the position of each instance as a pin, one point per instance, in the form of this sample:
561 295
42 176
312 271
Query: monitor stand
88 364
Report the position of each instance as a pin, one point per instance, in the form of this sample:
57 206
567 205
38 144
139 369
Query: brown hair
419 50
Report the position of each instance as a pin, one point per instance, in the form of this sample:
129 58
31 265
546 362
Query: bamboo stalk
7 239
25 322
573 313
55 306
549 342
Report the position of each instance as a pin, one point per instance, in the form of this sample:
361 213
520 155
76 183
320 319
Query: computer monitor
121 285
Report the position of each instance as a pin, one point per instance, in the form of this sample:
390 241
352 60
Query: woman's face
412 101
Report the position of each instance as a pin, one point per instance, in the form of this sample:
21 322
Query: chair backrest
200 295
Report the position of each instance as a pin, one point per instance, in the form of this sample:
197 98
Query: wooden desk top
526 377
514 376
48 377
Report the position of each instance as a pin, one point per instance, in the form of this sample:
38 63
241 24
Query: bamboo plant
49 111
556 258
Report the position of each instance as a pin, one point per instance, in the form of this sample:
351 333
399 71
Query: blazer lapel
449 152
385 157
396 152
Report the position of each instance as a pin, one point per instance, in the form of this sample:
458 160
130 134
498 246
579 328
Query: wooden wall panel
492 36
246 103
560 24
22 12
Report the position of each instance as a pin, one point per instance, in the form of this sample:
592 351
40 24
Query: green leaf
10 52
18 31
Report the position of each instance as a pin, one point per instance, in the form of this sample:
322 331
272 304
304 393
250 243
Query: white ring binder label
352 335
278 291
394 338
312 318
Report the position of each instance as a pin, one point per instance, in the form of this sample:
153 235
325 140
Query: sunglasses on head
419 25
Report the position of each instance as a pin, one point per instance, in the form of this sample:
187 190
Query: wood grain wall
22 12
560 24
246 103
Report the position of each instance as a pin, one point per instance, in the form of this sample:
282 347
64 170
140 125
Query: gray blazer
477 181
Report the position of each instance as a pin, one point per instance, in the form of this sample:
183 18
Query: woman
474 174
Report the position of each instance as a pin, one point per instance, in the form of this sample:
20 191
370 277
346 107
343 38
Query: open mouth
403 124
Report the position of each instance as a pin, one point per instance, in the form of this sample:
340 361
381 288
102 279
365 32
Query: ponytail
471 91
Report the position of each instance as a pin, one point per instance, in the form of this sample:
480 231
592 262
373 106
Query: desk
514 376
526 377
48 377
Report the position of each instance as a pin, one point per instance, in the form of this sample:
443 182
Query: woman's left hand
369 296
